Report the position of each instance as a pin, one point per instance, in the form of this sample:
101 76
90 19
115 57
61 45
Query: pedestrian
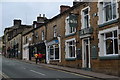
36 57
40 57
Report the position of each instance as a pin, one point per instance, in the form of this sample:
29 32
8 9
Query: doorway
86 53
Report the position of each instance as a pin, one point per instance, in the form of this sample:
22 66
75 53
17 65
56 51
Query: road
17 69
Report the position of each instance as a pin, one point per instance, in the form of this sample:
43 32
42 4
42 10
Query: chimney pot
39 15
43 15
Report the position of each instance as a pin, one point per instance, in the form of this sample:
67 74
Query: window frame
102 39
113 39
43 35
82 17
54 54
67 27
101 11
67 48
55 31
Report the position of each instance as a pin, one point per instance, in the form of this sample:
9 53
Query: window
107 10
55 31
54 52
43 35
26 40
85 18
36 35
108 42
69 30
35 25
70 49
111 42
51 52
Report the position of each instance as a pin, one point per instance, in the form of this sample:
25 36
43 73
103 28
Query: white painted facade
25 52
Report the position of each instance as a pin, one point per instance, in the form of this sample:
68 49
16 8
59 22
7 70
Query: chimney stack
76 2
64 8
17 22
41 19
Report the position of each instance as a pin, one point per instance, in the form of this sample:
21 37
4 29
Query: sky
28 10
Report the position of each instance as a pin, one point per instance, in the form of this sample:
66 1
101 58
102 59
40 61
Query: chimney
41 19
17 22
64 8
76 2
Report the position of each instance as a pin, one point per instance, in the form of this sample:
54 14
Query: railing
86 31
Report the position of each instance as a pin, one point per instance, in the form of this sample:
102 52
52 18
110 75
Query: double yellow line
69 72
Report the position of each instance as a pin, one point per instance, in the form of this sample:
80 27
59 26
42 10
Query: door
86 53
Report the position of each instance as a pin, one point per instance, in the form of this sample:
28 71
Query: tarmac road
19 70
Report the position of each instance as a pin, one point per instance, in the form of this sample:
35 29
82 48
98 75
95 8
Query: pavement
79 71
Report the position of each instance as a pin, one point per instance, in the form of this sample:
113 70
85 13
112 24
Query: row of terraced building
85 36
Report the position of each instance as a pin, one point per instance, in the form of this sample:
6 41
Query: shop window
54 52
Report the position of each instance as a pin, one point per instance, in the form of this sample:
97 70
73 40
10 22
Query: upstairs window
70 29
43 35
55 31
85 18
107 10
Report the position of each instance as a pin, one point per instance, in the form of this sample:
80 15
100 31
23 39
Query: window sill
70 59
108 23
54 60
71 34
112 57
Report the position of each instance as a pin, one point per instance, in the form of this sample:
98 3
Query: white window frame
101 12
101 43
35 26
54 46
55 31
67 48
43 35
67 27
82 17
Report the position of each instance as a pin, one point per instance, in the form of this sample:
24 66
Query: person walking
40 56
36 57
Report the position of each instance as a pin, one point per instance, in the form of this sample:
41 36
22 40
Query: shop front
53 52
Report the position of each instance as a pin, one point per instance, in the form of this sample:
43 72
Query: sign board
53 42
73 20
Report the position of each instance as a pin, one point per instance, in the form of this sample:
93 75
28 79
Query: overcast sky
28 11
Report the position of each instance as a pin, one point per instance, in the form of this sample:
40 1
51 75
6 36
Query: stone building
27 40
1 44
13 41
39 35
85 36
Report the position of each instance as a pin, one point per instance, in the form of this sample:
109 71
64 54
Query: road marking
24 68
37 72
